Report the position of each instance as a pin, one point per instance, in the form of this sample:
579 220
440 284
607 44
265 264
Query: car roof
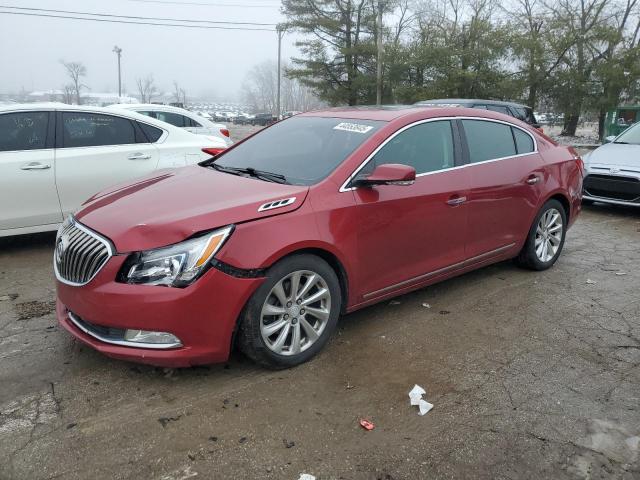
469 101
405 114
367 112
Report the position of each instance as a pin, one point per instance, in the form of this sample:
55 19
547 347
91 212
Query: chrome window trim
344 187
124 343
98 237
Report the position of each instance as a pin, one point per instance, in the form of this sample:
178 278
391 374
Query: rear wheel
291 316
546 238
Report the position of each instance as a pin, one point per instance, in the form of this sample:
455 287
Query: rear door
95 151
408 233
28 195
505 174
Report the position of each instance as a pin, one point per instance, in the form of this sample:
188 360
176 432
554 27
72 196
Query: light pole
379 62
118 51
280 29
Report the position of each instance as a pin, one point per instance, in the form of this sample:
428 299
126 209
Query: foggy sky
204 62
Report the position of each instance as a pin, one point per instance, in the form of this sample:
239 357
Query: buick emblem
614 170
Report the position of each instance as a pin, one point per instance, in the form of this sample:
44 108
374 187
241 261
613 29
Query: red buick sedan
265 245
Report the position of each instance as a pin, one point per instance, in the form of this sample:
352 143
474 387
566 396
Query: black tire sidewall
251 341
530 249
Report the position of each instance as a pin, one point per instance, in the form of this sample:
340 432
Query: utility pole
379 62
118 51
280 28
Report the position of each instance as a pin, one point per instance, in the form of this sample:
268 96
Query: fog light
145 336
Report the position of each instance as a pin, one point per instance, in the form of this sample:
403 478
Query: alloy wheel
549 235
295 312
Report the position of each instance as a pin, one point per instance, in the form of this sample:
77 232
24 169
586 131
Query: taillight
213 151
224 131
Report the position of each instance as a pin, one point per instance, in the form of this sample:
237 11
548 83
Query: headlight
178 265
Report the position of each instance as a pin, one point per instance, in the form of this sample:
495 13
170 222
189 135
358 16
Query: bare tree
76 70
146 88
68 93
260 90
179 93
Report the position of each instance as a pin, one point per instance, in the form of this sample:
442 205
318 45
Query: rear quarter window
524 142
153 134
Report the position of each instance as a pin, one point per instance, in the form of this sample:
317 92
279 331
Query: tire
532 256
272 319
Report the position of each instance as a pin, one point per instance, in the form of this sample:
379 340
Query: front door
28 196
406 234
97 151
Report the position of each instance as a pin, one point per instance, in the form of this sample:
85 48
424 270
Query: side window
95 129
499 109
190 122
152 133
23 131
172 118
480 107
520 113
488 140
148 114
524 142
427 147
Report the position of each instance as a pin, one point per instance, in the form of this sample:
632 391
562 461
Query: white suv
179 117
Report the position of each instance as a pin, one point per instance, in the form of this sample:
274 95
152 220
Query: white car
612 171
179 117
53 157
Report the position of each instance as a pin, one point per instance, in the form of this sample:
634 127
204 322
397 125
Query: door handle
533 179
35 166
139 156
453 201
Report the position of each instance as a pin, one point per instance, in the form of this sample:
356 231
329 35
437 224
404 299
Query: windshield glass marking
353 127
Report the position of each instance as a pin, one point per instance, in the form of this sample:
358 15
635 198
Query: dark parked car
265 245
263 119
517 110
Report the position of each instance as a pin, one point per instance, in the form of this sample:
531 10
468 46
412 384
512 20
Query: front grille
613 187
79 254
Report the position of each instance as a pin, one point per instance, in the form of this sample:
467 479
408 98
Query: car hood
616 154
171 205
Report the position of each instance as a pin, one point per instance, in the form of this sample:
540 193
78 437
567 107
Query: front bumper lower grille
612 187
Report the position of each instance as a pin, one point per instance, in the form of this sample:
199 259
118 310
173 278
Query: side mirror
388 174
609 139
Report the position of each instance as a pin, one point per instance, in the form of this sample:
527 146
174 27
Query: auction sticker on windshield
353 127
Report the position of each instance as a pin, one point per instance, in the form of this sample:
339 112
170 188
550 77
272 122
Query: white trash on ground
415 398
306 476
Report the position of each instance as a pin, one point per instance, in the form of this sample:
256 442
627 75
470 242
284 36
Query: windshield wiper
252 172
622 143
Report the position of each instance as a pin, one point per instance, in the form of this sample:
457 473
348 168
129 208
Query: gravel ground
533 375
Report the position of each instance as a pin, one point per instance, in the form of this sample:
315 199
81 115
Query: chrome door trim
455 266
344 187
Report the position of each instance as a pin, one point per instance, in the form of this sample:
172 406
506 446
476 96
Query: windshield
630 135
304 150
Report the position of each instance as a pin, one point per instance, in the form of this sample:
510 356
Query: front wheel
291 316
546 238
